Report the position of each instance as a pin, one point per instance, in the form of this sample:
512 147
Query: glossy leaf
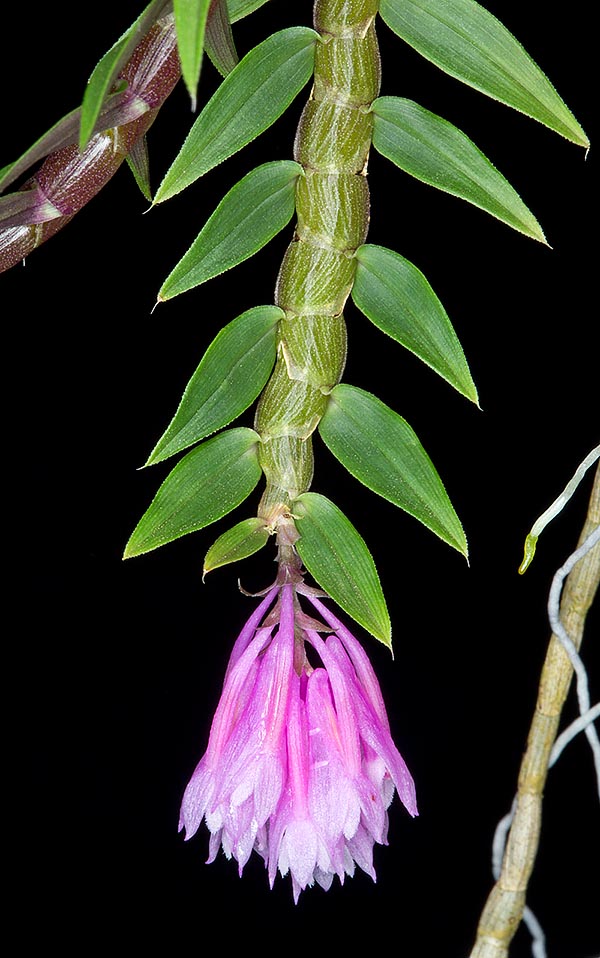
246 538
436 152
338 559
381 450
208 483
230 376
397 298
107 69
190 23
466 41
247 102
250 215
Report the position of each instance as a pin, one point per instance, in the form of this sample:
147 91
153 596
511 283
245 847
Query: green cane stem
332 206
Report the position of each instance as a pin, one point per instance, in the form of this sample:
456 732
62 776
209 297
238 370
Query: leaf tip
541 238
386 639
150 461
473 395
129 552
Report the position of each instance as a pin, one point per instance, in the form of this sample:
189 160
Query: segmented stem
316 276
68 178
503 910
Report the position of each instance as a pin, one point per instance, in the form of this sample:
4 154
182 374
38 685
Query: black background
114 668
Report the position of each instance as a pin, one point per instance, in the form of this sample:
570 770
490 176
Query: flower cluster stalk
332 206
300 765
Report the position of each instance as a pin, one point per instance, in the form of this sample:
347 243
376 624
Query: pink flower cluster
300 764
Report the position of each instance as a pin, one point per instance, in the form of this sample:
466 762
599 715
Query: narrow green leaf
381 450
190 23
338 559
250 215
246 538
231 374
395 296
247 102
208 483
466 41
241 8
107 69
436 152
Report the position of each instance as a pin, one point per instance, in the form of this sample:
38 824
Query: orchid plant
300 765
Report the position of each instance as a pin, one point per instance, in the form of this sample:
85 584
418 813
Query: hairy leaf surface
208 483
243 540
230 376
436 152
250 215
381 450
339 560
466 41
247 102
397 298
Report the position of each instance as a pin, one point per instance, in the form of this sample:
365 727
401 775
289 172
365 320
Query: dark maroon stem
68 178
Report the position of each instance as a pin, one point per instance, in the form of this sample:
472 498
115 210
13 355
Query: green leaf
208 483
249 100
381 450
241 8
338 559
469 43
107 69
395 296
436 152
250 215
230 376
190 23
246 538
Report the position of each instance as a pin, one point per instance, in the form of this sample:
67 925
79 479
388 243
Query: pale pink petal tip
300 766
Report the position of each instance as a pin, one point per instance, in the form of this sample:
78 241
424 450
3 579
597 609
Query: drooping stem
316 276
69 178
504 908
